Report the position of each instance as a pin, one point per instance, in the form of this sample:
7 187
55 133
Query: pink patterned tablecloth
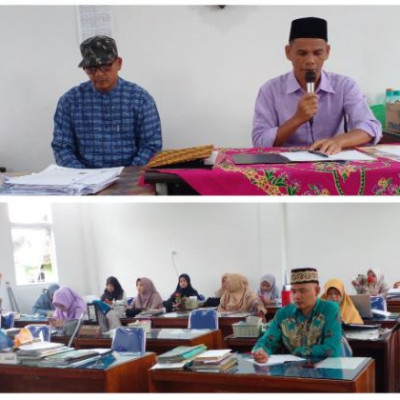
378 177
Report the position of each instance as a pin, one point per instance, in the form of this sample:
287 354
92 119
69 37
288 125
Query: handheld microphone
310 77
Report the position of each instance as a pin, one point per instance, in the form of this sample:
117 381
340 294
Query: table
248 377
384 351
379 177
113 373
180 320
393 305
127 184
30 320
161 340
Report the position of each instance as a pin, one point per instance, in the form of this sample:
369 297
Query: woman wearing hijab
184 288
44 304
373 284
238 296
147 297
69 305
334 291
113 291
268 292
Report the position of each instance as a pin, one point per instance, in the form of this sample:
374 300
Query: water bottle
286 295
396 96
389 97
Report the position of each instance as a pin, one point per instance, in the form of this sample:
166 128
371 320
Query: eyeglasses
103 68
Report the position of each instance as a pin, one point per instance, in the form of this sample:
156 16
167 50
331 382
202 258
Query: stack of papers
214 361
34 352
346 155
363 334
56 180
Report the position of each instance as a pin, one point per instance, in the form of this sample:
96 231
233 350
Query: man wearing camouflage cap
106 121
308 327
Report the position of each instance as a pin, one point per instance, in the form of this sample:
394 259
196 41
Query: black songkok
310 27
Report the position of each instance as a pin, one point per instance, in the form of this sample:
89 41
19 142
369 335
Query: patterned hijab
273 292
380 286
149 298
238 296
348 311
75 305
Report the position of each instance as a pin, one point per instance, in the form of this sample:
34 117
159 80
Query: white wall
134 240
342 240
69 248
203 65
94 241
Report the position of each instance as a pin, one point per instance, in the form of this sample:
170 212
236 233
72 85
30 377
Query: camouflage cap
98 50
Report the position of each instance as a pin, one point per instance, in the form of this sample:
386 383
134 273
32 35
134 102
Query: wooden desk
393 305
180 320
162 340
20 323
248 377
125 374
385 352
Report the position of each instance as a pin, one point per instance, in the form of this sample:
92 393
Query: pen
318 153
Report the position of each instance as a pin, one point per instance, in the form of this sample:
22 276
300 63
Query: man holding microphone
329 114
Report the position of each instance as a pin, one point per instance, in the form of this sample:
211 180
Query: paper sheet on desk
277 359
340 362
347 155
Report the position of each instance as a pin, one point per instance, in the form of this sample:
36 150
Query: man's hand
327 146
307 107
260 356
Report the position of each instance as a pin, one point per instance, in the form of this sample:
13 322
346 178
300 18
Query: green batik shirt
316 335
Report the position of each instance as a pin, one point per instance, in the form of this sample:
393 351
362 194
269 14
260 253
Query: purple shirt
337 95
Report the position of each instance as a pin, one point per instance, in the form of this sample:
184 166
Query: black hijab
118 292
188 290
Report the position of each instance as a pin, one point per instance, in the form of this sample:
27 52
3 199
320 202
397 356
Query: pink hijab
150 299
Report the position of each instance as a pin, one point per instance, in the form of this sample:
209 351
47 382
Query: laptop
362 303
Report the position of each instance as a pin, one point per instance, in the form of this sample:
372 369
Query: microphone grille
310 76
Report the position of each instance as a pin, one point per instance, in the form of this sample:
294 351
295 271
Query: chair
202 297
40 331
131 340
345 348
203 319
8 320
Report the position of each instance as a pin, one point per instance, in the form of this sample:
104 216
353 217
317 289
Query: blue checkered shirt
97 130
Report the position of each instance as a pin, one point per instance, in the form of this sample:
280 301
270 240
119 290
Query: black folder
259 158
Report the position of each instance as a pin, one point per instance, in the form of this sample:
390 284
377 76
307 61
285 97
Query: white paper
277 359
340 362
381 313
347 155
60 180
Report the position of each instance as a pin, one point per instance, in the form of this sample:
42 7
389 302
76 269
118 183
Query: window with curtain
33 242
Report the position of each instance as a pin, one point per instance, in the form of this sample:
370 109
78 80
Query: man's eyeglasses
102 68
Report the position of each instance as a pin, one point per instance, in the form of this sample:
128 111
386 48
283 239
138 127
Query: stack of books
32 353
179 357
73 357
214 361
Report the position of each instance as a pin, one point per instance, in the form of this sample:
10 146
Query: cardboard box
393 117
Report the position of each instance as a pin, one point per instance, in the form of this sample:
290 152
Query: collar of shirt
114 90
300 316
293 86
